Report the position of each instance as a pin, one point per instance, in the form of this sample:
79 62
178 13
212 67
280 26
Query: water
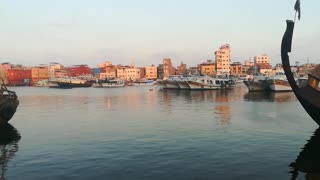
138 133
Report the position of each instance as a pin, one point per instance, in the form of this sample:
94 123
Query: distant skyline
146 31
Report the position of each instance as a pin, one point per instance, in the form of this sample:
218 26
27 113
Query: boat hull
279 86
183 85
256 85
8 108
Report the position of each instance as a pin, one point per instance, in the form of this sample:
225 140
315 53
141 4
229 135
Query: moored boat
309 94
113 83
8 104
143 82
257 83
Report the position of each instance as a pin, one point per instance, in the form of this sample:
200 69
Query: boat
257 83
172 82
42 83
8 104
279 82
68 83
113 83
309 94
143 82
209 83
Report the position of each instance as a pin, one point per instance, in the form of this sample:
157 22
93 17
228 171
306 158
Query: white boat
113 83
172 82
279 82
143 82
42 83
208 83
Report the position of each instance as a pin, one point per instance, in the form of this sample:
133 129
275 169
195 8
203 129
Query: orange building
18 77
39 73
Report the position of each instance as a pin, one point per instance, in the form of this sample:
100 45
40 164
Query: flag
297 8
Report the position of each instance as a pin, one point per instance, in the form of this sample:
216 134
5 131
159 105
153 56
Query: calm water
135 133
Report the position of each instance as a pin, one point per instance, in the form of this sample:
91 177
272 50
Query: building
121 72
151 72
208 68
168 69
142 72
236 69
52 69
39 73
248 63
96 72
104 64
181 69
223 59
160 71
132 74
261 59
18 77
79 70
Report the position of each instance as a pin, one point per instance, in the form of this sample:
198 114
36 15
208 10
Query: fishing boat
309 94
42 83
257 83
279 82
143 82
113 83
8 104
209 83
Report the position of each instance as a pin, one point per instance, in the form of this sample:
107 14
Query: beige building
39 73
53 67
104 64
132 74
121 72
223 59
261 59
208 68
167 68
151 72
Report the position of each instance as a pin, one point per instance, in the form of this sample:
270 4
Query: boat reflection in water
270 97
307 162
9 138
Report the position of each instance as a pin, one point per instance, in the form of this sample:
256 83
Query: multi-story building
248 63
132 74
104 64
236 69
208 68
261 59
168 69
151 72
52 69
121 72
39 73
181 69
223 59
160 71
80 70
142 72
18 76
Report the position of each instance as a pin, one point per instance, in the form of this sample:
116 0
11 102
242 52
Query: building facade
223 59
151 72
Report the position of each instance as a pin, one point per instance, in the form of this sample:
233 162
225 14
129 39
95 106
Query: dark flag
297 8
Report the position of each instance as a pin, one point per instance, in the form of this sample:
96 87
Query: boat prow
8 104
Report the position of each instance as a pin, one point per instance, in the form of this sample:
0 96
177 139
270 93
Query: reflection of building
223 112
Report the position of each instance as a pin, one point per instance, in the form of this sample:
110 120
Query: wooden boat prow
8 104
308 95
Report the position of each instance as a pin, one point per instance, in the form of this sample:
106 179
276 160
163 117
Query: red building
79 70
19 77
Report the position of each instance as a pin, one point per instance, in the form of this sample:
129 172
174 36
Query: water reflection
308 161
270 96
223 113
9 138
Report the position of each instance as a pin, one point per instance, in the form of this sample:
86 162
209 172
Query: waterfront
135 133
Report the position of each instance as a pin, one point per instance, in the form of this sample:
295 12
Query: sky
143 32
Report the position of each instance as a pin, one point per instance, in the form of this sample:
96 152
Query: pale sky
71 32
